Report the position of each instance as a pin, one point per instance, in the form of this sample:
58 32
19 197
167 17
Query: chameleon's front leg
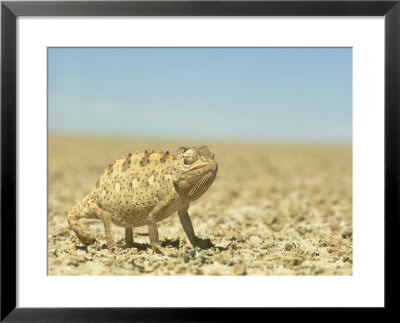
188 227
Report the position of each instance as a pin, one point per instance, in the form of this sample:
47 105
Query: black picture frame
10 10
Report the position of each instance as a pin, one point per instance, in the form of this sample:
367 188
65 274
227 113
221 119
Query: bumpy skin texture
145 188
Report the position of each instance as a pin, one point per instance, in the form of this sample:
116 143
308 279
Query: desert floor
272 210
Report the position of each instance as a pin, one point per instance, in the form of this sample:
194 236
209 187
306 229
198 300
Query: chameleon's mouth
197 167
213 167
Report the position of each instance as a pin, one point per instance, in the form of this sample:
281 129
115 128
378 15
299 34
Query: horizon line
201 138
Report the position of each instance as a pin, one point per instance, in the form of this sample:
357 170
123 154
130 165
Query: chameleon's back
132 186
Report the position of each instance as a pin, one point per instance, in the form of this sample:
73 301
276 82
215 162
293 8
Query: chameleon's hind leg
129 237
129 242
104 216
73 216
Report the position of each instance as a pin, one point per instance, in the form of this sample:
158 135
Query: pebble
254 240
239 269
347 234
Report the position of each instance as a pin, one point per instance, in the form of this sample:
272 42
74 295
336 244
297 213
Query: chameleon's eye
189 157
206 152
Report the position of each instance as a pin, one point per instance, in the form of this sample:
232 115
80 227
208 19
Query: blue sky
263 94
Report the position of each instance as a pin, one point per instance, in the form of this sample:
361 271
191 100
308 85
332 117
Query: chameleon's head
194 172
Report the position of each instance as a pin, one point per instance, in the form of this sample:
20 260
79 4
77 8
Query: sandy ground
272 210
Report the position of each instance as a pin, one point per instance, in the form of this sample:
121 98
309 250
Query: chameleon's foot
139 246
86 240
111 244
203 243
89 241
156 249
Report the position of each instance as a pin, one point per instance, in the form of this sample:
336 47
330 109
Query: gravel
274 209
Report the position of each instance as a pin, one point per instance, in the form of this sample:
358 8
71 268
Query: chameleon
145 188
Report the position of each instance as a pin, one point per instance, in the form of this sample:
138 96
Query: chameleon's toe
203 243
156 249
111 244
87 240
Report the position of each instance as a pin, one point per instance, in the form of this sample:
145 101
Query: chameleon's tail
73 216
